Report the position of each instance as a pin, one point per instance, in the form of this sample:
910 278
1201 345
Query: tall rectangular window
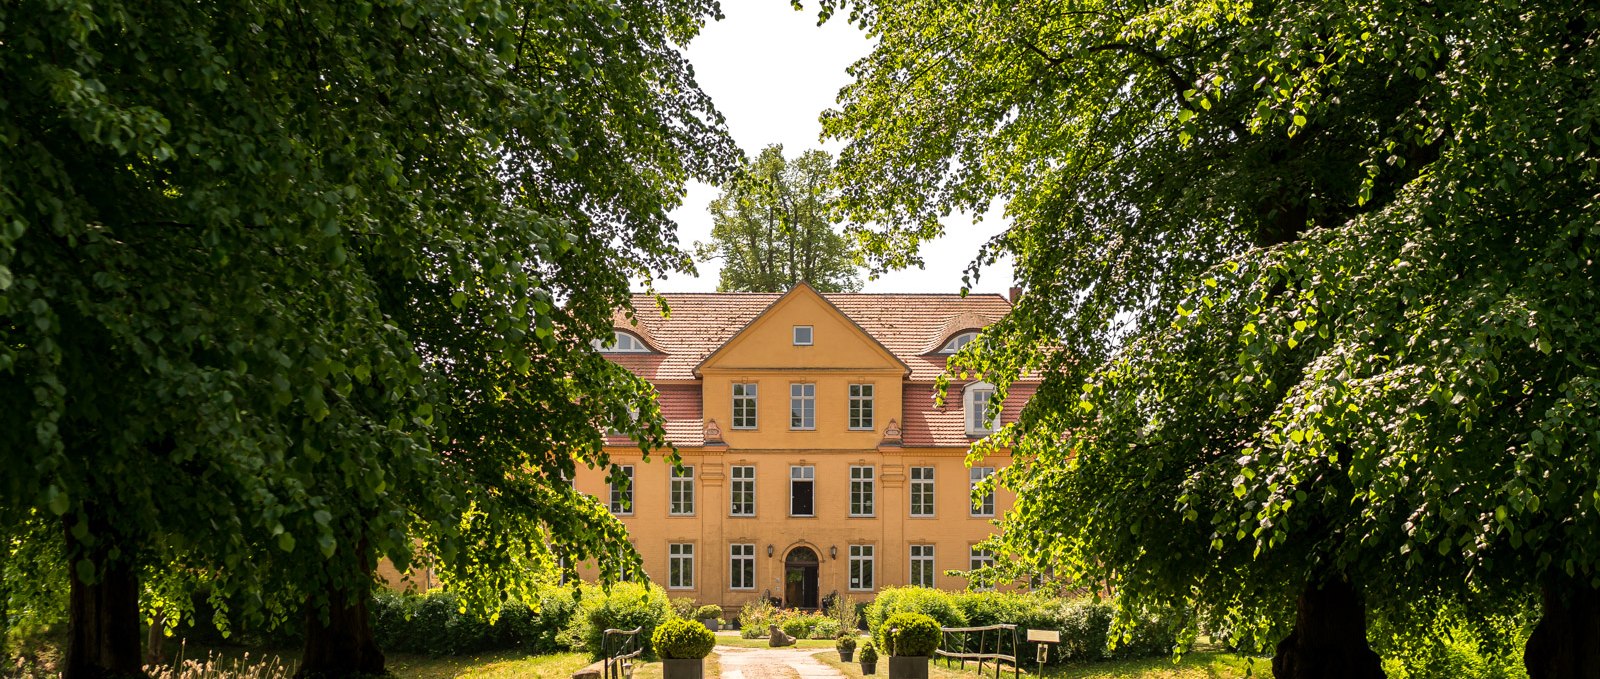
922 566
802 406
861 562
922 491
742 491
744 406
622 493
980 558
801 486
680 565
741 566
978 421
861 487
861 406
682 491
983 506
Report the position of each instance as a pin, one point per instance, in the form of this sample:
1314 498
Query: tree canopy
284 289
772 227
1312 287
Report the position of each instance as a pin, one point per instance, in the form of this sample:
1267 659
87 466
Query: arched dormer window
621 343
960 340
975 401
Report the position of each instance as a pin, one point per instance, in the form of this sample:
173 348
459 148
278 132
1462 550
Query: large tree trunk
1329 640
345 646
1566 642
103 628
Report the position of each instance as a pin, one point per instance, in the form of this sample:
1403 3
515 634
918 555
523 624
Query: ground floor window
742 567
861 567
922 565
680 566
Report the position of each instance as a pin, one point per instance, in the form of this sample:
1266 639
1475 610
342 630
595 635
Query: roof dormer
622 342
957 341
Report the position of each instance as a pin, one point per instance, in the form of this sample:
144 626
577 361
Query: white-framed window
861 568
681 492
742 491
802 488
957 342
976 400
861 406
862 485
802 335
744 405
622 493
922 566
983 506
680 565
980 558
803 405
621 343
922 491
741 566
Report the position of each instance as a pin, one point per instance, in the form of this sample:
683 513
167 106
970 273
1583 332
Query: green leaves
281 268
1329 271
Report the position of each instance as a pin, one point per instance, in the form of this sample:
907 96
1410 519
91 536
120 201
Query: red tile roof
929 426
908 325
680 405
911 326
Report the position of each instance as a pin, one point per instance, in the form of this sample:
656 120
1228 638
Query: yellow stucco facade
830 413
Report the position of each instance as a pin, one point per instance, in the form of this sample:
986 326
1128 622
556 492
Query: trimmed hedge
434 624
1085 625
708 612
914 634
682 640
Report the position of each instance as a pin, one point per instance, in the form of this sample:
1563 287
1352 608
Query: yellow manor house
814 458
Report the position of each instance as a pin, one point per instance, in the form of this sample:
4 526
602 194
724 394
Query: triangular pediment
767 341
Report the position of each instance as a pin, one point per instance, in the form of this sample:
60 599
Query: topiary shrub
845 641
914 634
869 654
708 612
679 639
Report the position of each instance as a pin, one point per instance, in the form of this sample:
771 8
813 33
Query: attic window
957 342
621 343
802 335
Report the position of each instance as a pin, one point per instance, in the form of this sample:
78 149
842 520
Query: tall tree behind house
772 228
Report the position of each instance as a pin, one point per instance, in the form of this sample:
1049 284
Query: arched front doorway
800 578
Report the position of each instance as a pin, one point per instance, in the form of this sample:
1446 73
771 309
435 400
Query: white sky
772 71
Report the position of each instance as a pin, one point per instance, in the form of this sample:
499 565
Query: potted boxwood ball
709 615
911 638
846 645
683 646
869 658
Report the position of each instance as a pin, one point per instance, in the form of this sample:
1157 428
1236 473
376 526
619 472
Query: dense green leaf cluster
1312 286
286 288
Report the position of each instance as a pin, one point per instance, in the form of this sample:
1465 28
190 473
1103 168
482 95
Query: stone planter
908 667
710 624
847 654
683 669
869 668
